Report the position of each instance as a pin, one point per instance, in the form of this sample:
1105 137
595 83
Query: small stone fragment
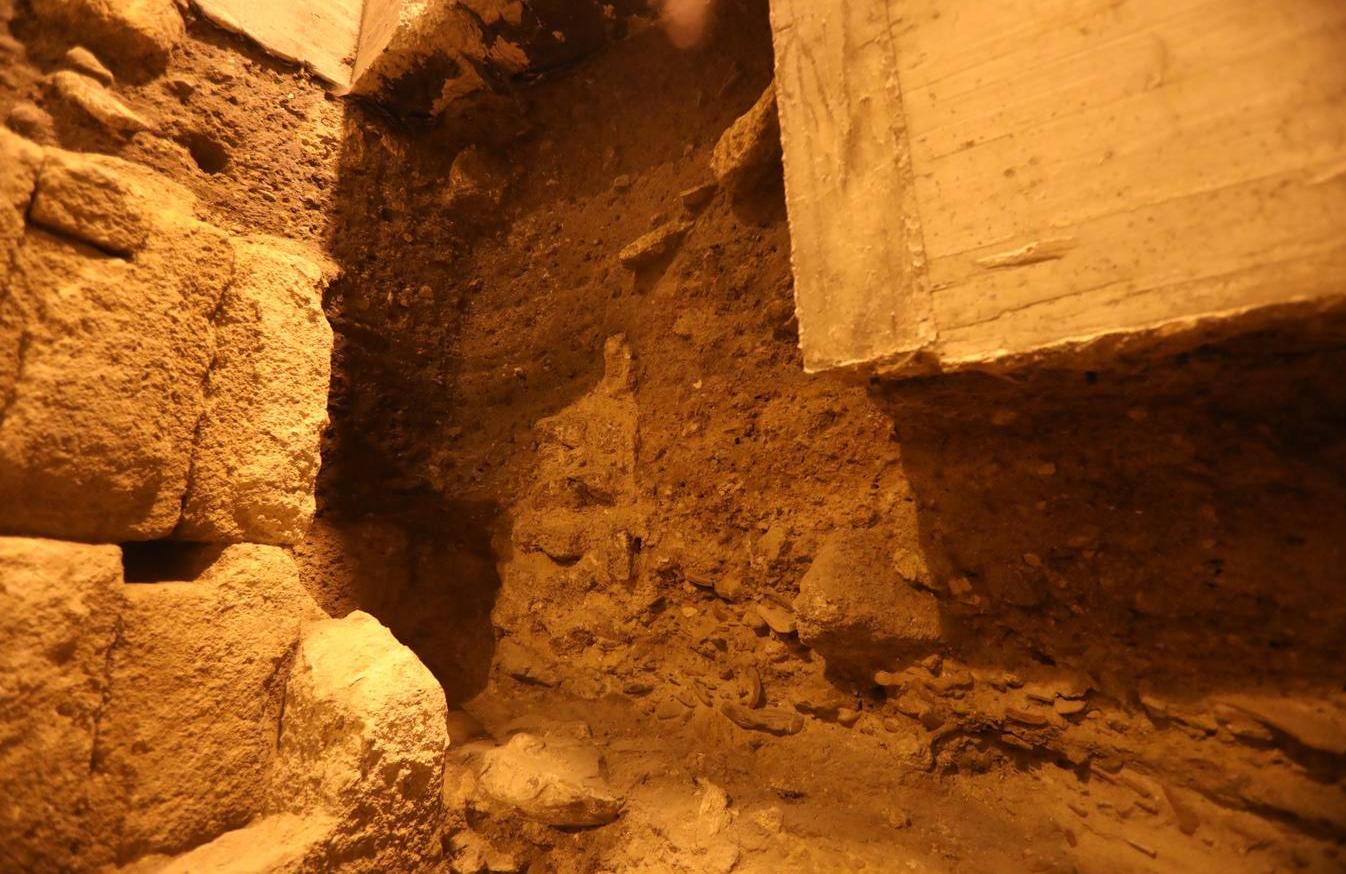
551 781
1025 717
756 696
1183 815
647 249
771 721
96 101
729 588
778 619
1070 706
696 197
621 183
81 60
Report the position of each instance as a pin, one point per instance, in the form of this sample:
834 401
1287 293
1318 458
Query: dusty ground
1163 535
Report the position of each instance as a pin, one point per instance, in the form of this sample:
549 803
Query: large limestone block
257 450
97 427
363 738
126 33
197 683
858 608
58 620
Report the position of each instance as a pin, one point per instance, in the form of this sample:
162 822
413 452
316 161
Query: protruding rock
59 604
653 246
95 101
552 781
363 739
778 619
132 32
695 198
750 147
257 447
857 610
81 60
196 684
769 720
476 183
94 199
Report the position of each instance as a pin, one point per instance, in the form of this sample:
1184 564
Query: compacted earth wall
428 479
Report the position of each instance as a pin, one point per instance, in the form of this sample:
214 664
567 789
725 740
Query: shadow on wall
1177 531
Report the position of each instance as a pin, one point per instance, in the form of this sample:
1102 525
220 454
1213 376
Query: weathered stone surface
81 60
189 732
111 354
363 739
553 781
133 33
58 620
256 454
750 146
89 96
857 610
280 844
95 199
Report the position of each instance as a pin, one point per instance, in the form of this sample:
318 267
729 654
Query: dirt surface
586 496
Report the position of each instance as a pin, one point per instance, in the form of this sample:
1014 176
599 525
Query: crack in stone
214 320
118 638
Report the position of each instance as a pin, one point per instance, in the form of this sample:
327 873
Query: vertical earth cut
427 478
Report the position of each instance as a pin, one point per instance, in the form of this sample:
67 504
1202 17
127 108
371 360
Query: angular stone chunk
139 33
551 781
857 610
363 739
95 199
257 455
58 619
189 733
90 97
111 355
750 146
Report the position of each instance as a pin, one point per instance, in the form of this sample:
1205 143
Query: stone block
363 740
197 681
257 447
59 606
